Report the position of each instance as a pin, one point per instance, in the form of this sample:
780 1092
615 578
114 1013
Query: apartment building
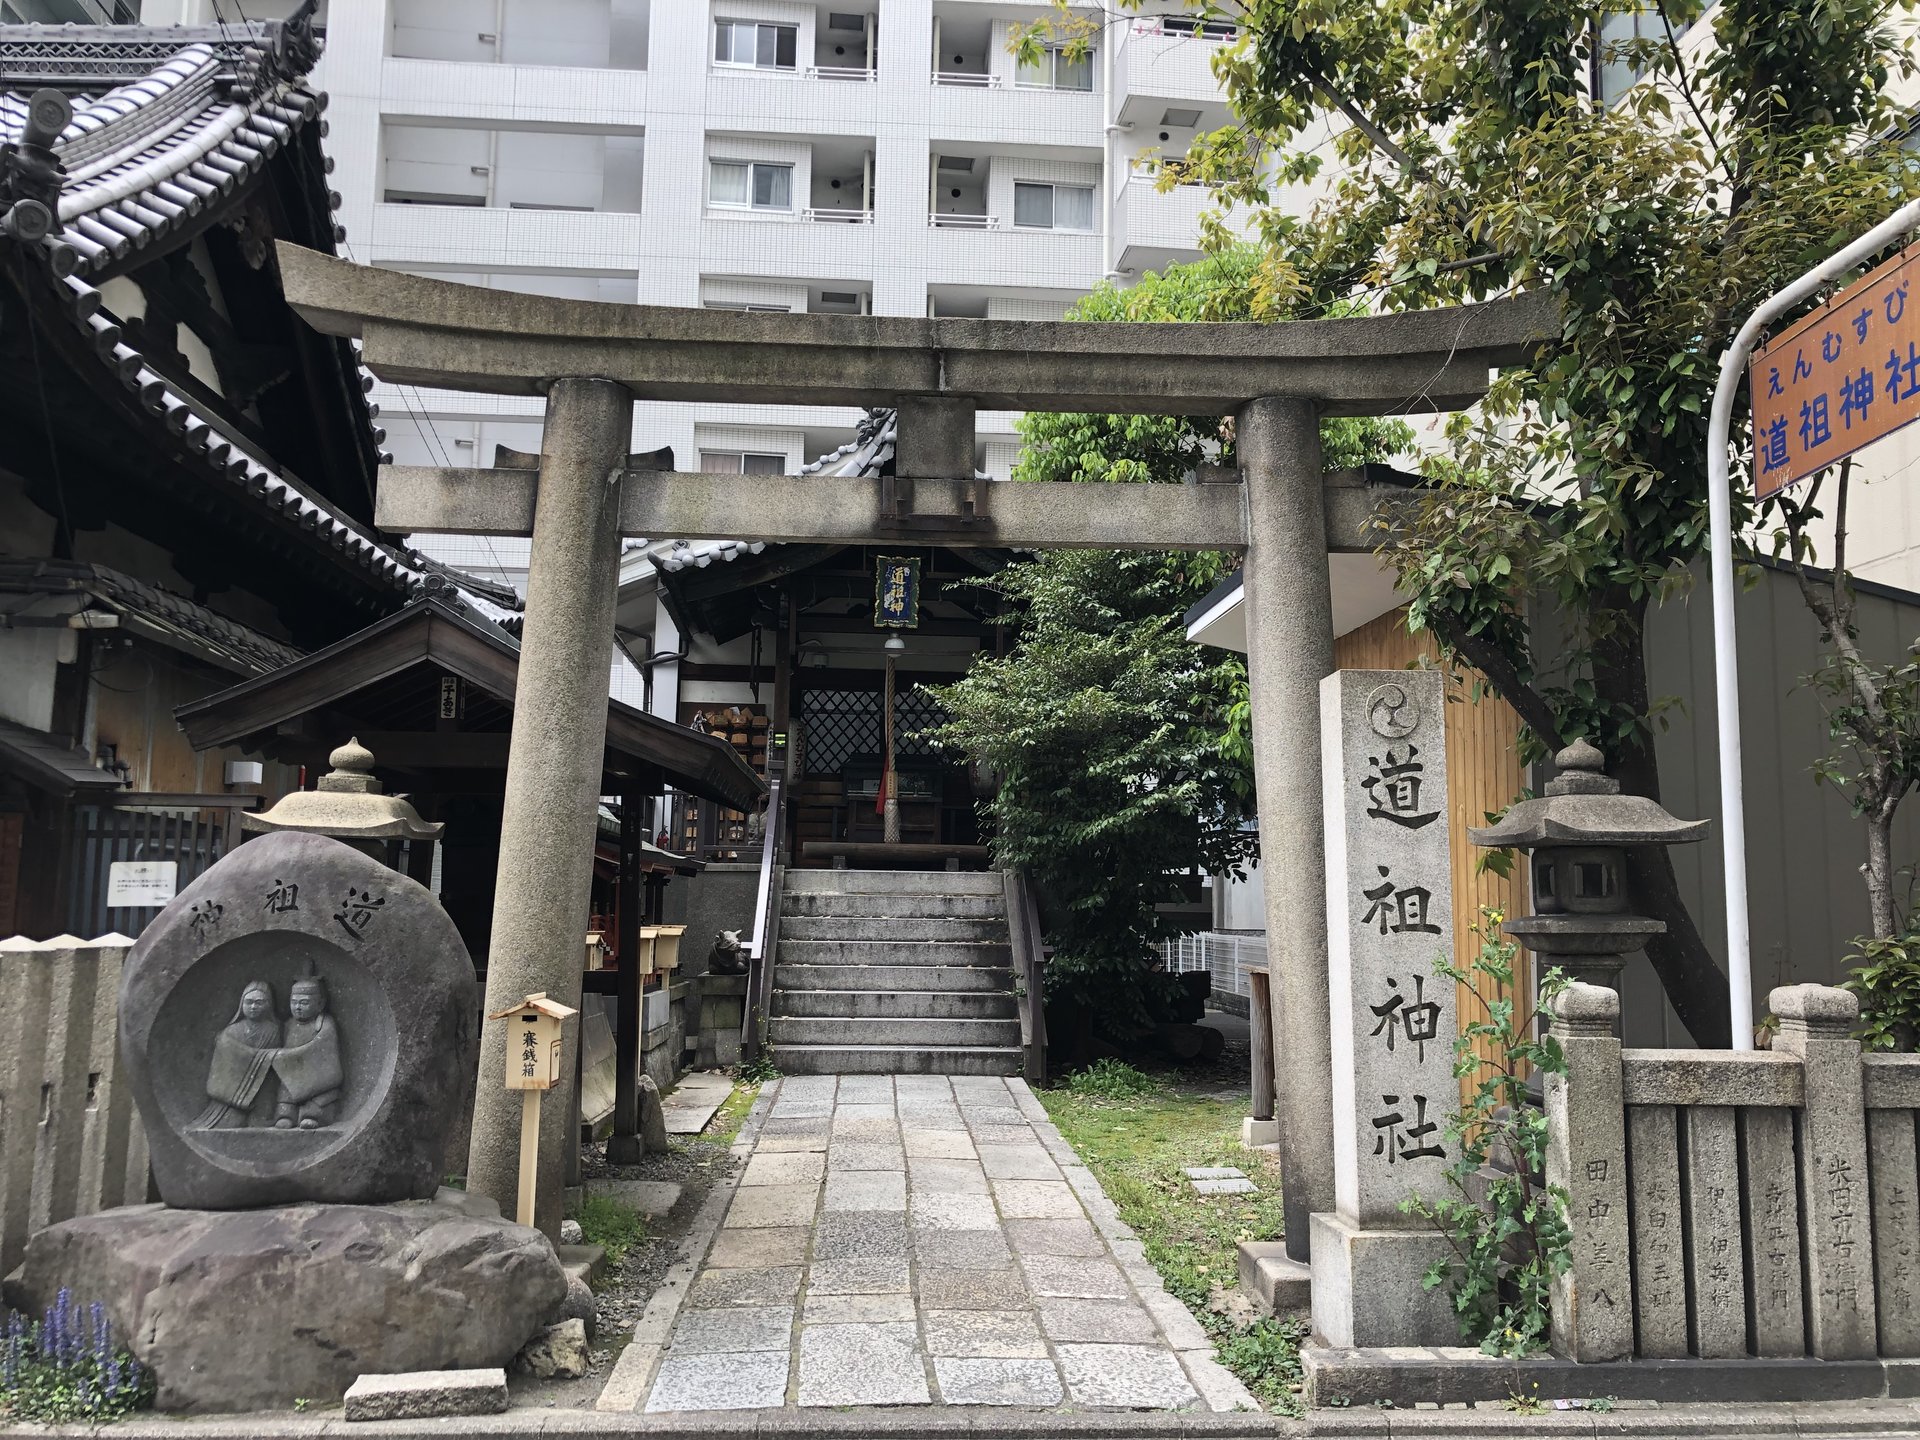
859 157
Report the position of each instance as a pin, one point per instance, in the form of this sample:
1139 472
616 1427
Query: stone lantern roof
348 804
1584 806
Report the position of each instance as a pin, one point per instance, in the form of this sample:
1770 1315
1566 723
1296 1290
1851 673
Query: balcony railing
1185 27
962 222
839 72
967 80
838 217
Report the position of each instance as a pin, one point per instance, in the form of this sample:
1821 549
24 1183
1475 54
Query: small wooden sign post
533 1067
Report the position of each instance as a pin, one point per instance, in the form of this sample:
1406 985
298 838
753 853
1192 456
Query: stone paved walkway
920 1240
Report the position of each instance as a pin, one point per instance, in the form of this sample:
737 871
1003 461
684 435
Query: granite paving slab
1034 1384
932 1210
766 1205
759 1248
866 1155
866 1190
862 1234
915 1240
790 1168
1018 1162
1074 1276
712 1288
1054 1237
822 1309
938 1144
720 1382
713 1332
953 1177
1132 1377
690 1105
984 1334
862 1365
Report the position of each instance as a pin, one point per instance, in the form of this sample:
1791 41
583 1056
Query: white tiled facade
898 163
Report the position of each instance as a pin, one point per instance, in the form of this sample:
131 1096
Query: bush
1108 1079
1509 1246
65 1367
1885 974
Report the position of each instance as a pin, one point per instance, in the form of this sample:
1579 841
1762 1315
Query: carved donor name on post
1389 918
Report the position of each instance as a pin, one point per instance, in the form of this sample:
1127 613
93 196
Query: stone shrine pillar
1389 916
1587 1157
1289 611
554 767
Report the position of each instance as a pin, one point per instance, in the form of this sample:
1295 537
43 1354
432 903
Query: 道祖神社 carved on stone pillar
1389 920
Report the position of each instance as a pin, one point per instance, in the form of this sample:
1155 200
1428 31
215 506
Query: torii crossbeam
592 361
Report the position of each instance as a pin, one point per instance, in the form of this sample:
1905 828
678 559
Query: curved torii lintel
420 331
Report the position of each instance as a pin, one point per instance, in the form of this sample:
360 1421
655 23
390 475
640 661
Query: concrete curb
632 1375
1707 1422
1218 1388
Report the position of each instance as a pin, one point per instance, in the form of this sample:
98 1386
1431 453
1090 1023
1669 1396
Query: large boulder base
254 1309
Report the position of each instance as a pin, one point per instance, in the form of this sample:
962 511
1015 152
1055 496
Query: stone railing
70 1142
1728 1204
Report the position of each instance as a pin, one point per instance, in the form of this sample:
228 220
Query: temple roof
172 134
147 609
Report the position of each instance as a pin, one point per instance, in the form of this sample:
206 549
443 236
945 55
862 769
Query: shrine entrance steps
889 972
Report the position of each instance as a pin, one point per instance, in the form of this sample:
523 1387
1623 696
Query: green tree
1470 159
1122 750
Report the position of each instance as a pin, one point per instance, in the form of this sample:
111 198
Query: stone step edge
1273 1282
814 1049
1456 1375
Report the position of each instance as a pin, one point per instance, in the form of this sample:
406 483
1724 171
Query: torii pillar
545 883
1288 606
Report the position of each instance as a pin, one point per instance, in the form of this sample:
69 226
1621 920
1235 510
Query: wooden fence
70 1142
1728 1204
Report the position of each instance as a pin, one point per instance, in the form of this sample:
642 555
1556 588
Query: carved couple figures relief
266 1074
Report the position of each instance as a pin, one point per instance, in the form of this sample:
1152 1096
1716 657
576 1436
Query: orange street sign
1840 378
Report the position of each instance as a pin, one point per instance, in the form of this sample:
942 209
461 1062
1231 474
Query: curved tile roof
867 454
183 118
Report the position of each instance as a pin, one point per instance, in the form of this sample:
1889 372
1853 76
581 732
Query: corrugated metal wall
1803 848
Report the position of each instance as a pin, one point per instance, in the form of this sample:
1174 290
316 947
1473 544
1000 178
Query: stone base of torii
592 361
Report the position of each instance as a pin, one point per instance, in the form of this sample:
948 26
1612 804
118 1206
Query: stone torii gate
591 361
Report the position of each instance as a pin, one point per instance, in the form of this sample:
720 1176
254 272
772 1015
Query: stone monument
297 1026
1389 919
298 1031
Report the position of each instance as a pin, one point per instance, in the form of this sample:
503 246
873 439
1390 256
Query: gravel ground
695 1164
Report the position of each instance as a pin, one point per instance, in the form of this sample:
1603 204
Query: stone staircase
893 971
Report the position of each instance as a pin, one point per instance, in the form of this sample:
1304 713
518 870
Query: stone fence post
1816 1027
70 1142
1587 1157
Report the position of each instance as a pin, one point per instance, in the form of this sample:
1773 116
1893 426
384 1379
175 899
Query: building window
741 462
1622 54
1056 70
755 185
749 306
756 46
1052 207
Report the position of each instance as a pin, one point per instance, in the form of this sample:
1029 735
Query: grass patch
614 1227
1110 1079
1137 1143
726 1122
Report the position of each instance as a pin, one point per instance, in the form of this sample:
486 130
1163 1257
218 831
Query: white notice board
141 883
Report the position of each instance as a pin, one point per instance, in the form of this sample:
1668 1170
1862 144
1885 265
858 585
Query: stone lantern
1578 834
351 806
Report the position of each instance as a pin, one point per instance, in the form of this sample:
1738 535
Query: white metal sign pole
1726 665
